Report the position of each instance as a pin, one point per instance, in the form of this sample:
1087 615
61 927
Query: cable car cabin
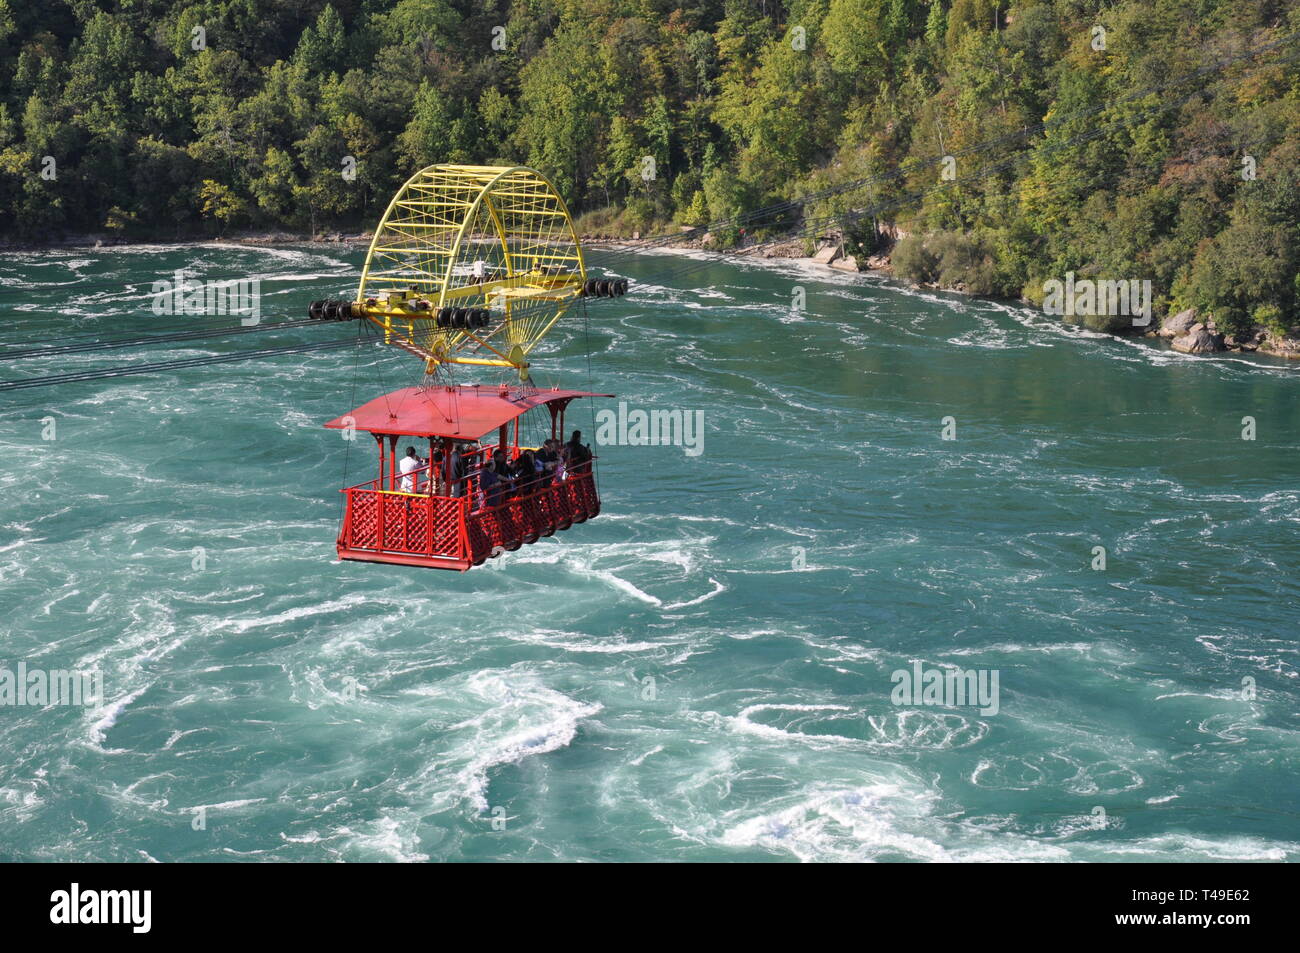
444 516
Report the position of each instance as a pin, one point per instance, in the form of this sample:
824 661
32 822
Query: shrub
1269 317
913 261
964 262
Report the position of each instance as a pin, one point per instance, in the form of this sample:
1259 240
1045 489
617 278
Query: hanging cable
347 451
591 389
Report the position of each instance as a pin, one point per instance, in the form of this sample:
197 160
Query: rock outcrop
1178 324
1198 340
1281 345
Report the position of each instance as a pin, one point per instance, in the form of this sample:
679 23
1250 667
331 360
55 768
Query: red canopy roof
465 412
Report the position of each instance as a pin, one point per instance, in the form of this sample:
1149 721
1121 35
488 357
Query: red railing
449 529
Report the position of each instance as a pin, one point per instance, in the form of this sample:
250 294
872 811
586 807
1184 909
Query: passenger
579 456
501 464
549 458
456 472
490 484
436 486
470 453
466 461
410 463
525 473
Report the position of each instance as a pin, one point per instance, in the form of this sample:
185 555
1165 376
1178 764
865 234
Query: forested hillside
173 118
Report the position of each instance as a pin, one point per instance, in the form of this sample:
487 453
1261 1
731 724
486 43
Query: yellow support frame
445 223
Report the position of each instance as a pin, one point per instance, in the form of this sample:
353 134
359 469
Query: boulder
1198 340
826 254
1176 324
847 263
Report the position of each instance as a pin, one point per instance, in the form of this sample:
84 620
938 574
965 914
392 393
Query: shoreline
1185 333
92 242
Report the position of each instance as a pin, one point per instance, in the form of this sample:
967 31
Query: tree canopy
1074 145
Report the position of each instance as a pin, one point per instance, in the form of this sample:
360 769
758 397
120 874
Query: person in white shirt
409 463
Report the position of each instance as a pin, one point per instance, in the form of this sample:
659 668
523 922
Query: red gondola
430 518
470 266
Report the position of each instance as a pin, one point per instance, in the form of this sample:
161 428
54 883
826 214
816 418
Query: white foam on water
511 716
640 759
875 822
231 805
623 585
20 804
1190 848
718 589
329 607
108 716
745 724
1082 772
389 837
581 643
923 729
524 742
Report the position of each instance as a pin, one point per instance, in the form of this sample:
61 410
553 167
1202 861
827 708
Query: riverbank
1186 331
250 238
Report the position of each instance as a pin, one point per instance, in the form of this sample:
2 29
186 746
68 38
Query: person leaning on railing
577 454
491 486
549 457
525 473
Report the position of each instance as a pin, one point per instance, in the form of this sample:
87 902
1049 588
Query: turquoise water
767 588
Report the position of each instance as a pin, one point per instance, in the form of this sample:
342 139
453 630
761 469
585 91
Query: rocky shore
1186 331
237 238
1190 334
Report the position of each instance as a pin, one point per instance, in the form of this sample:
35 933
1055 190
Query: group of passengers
498 478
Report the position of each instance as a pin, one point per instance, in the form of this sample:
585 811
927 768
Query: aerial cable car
470 266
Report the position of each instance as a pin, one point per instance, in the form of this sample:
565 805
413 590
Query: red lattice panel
509 524
446 526
363 514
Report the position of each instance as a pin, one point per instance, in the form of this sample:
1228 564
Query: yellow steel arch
472 265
